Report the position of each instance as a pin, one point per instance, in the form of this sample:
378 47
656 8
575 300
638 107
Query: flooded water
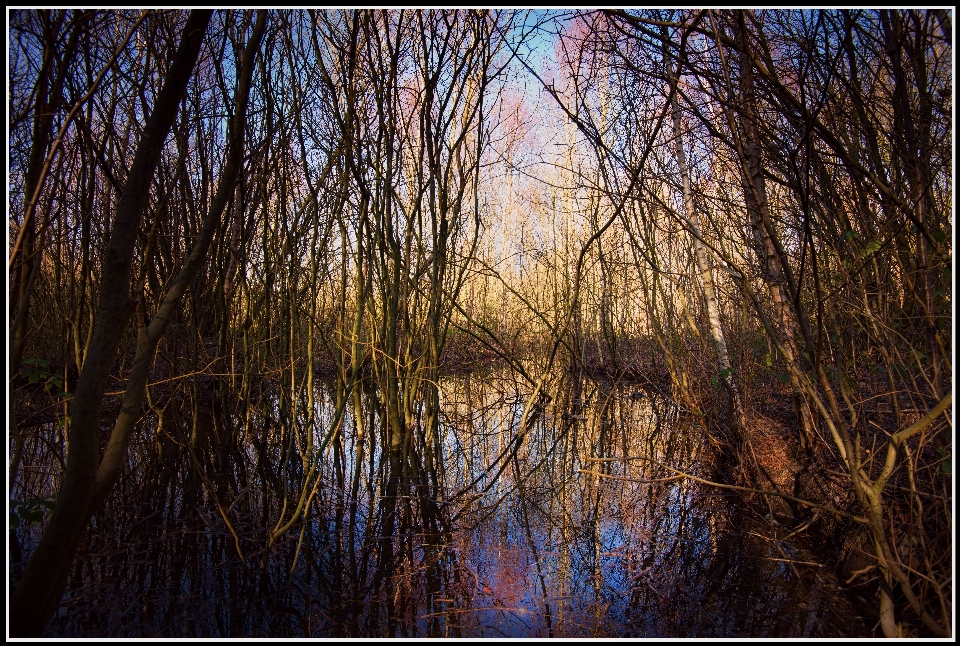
482 532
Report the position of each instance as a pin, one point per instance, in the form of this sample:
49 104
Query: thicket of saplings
749 210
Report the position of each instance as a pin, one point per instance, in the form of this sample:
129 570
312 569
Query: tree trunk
704 263
45 577
765 238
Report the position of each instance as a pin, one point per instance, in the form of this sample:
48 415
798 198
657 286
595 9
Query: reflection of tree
740 217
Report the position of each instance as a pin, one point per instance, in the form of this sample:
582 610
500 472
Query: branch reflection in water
485 532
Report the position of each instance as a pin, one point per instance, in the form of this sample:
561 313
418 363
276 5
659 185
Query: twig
808 503
853 576
792 562
637 480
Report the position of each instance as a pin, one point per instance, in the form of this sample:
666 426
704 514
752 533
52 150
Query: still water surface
537 537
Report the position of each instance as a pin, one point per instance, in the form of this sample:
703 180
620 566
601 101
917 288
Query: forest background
747 208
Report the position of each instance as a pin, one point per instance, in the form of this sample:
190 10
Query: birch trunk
704 264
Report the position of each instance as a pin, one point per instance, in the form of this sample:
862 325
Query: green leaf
849 234
31 515
946 466
871 248
31 511
767 359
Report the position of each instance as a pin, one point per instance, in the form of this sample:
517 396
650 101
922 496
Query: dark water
500 539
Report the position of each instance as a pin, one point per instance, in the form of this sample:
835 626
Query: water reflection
486 531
